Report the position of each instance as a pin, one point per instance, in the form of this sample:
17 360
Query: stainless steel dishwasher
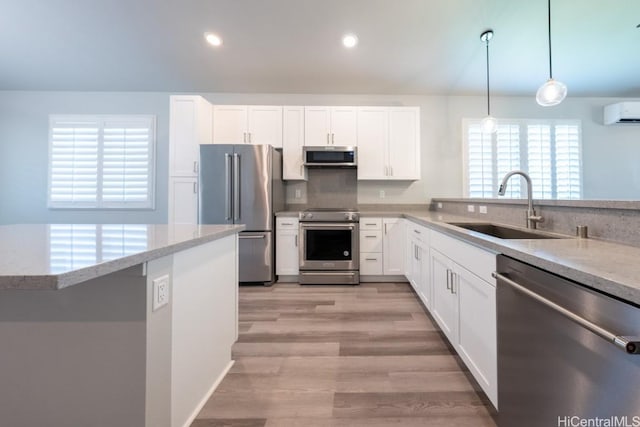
566 353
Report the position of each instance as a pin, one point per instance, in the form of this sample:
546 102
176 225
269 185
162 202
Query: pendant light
489 124
552 92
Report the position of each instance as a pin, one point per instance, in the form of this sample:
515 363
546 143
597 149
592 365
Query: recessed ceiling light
350 40
213 39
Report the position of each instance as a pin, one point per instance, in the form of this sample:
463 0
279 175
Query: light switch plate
439 205
382 194
298 193
471 208
482 209
160 292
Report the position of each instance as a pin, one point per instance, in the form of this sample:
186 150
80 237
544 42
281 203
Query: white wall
610 153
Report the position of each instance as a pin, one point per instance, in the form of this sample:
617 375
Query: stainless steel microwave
330 156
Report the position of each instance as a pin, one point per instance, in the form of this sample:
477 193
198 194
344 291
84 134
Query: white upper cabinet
404 143
183 200
388 143
292 143
247 124
189 126
330 126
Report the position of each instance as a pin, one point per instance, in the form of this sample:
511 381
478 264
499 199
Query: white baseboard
207 395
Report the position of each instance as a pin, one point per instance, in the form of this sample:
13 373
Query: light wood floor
316 356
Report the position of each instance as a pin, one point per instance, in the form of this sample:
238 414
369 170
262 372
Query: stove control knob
348 216
309 215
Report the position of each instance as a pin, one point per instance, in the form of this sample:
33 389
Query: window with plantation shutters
548 150
101 162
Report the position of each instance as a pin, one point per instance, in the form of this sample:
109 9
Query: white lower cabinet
417 262
393 232
464 305
287 246
183 200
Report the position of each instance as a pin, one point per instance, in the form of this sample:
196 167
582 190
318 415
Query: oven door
329 246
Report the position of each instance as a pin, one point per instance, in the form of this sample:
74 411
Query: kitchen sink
505 232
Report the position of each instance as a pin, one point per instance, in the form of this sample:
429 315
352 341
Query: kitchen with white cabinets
407 283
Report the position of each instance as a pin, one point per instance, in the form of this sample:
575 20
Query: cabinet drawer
478 261
370 223
286 223
371 241
418 232
370 264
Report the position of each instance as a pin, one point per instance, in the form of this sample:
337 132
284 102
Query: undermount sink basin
505 232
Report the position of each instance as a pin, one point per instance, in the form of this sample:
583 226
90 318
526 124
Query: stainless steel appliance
330 156
329 246
564 351
242 184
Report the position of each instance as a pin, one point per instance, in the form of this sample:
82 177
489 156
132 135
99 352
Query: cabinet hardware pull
370 237
385 229
333 139
628 344
416 231
287 223
391 167
328 141
195 188
448 280
296 241
454 276
249 133
195 166
371 259
244 137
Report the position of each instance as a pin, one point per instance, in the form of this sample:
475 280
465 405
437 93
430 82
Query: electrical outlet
439 205
298 193
471 208
160 292
482 209
382 194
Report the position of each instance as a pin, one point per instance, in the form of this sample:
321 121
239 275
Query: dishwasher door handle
628 344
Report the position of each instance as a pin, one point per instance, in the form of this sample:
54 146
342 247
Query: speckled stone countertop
55 256
605 266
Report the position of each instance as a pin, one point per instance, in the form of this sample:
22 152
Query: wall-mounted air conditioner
622 112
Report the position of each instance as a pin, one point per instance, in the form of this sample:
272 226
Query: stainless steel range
329 247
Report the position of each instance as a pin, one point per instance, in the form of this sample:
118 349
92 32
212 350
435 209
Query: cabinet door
265 125
183 200
393 245
444 307
477 329
404 143
287 251
344 130
190 126
317 126
425 275
373 134
230 124
292 143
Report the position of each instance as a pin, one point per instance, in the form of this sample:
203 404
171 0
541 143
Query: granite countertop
55 256
606 266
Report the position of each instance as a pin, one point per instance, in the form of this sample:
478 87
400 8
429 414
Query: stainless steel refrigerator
242 184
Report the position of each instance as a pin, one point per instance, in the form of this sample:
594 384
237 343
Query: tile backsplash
332 188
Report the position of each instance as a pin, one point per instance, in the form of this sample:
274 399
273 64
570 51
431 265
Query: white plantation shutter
568 162
549 151
479 162
74 162
101 162
539 160
508 157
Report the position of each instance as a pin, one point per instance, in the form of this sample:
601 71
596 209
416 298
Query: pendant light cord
549 30
488 99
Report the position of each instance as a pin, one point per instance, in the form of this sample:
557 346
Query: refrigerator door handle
236 187
227 186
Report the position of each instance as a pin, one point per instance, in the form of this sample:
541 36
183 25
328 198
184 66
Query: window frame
100 120
523 125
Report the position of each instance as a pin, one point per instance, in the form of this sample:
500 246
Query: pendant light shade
552 92
489 124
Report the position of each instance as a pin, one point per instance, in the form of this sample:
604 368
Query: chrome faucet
532 218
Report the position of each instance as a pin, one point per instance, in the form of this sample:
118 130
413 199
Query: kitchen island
114 325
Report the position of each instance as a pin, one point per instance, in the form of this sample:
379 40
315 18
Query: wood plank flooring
318 356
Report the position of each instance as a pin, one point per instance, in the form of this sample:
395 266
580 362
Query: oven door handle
327 225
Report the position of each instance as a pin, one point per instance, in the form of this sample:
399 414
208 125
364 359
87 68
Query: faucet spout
532 218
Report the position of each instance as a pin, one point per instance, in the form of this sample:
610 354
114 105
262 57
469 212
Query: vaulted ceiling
293 46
